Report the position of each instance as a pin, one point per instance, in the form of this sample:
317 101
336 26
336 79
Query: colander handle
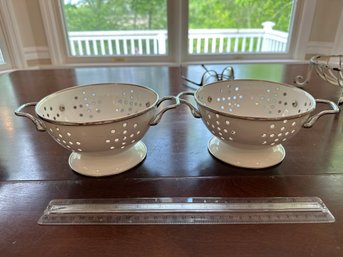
309 123
159 115
194 110
300 80
37 122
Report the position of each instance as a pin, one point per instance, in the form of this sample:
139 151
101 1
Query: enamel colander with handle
329 68
102 124
250 119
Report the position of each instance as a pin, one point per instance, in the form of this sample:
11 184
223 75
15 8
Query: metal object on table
102 124
329 68
250 119
186 210
210 76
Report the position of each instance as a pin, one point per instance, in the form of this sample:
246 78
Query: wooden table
34 170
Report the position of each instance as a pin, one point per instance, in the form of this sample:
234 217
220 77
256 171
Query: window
116 27
171 31
10 42
239 26
4 57
2 60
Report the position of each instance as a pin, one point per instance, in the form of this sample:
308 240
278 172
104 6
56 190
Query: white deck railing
200 41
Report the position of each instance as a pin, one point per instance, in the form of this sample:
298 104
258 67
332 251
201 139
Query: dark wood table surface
34 170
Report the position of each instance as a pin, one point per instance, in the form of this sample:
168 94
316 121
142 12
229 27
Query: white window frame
177 39
300 28
338 44
10 40
5 55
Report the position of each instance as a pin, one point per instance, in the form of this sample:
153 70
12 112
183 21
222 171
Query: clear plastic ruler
186 210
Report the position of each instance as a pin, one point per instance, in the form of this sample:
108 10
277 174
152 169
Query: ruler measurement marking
186 211
183 207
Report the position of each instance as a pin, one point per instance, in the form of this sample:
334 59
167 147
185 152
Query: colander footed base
109 162
246 156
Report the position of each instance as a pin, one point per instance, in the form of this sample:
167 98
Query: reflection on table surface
34 169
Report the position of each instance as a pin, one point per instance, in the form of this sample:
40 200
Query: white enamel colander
250 119
329 68
102 124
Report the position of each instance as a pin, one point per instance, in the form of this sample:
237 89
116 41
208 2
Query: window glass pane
4 57
116 27
239 26
2 60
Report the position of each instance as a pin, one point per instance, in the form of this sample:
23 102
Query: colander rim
261 118
99 122
315 60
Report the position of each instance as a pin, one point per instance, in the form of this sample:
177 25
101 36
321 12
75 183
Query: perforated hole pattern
116 136
269 101
255 132
95 105
261 99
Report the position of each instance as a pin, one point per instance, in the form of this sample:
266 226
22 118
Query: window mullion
177 30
